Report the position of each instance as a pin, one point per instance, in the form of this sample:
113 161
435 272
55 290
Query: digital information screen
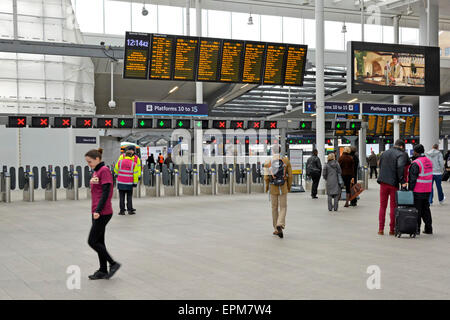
62 122
381 125
417 127
135 64
275 64
125 123
208 60
270 125
219 124
144 123
231 65
83 123
295 65
389 126
253 62
185 58
183 124
104 123
40 122
201 124
380 68
161 61
164 124
409 126
17 122
237 124
253 124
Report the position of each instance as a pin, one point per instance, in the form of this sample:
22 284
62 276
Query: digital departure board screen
275 64
161 61
409 126
295 65
417 127
381 125
231 65
208 59
253 62
389 126
135 64
185 58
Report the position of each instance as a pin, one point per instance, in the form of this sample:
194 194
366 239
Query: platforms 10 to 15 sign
181 58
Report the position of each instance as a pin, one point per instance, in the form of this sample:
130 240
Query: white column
429 106
188 17
199 85
320 87
396 98
363 130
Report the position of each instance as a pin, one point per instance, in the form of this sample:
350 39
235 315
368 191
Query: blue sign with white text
390 109
170 109
333 107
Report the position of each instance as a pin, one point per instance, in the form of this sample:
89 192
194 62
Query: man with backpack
278 178
314 170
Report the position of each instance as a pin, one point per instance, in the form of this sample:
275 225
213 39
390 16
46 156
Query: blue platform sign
333 107
170 109
390 109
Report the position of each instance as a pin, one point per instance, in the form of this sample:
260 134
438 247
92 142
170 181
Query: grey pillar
445 144
320 88
429 106
283 142
396 124
363 130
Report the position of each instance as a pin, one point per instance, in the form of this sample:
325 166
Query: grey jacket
438 161
330 173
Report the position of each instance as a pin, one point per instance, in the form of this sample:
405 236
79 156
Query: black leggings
96 241
347 182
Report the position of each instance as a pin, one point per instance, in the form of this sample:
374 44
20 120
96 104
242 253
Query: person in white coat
438 169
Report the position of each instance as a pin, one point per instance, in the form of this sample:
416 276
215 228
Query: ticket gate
208 179
243 179
72 180
149 180
49 183
187 180
28 182
5 185
171 181
225 179
87 180
257 178
114 176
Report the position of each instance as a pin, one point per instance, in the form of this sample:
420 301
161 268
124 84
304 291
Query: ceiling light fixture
353 100
144 10
250 20
344 28
173 89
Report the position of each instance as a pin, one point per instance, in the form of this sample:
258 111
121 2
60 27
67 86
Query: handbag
355 191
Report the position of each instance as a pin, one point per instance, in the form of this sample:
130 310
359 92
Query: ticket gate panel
21 178
87 177
35 171
165 175
65 179
80 176
202 174
12 174
146 176
184 175
58 177
220 175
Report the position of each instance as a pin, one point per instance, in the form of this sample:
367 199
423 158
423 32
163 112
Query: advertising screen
393 69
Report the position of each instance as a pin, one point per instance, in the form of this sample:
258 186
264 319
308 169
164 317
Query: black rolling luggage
406 216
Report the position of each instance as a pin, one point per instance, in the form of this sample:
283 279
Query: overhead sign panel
232 52
295 65
185 58
253 62
333 107
208 59
390 109
135 64
170 109
275 64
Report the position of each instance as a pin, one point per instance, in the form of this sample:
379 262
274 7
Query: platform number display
40 122
125 123
62 122
104 123
164 124
144 123
270 125
17 122
83 123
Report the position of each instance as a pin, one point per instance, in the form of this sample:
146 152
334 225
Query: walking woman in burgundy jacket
101 211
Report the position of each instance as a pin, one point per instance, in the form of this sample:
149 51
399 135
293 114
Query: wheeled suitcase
406 221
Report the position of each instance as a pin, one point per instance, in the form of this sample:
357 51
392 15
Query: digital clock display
135 64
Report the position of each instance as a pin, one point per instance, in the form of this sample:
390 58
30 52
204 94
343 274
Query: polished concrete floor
221 247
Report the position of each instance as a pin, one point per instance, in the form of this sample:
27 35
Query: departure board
231 67
253 62
135 64
403 126
372 123
185 58
417 127
275 64
161 61
381 126
295 65
389 126
208 60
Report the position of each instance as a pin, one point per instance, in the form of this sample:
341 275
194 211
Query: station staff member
421 182
278 194
127 175
134 157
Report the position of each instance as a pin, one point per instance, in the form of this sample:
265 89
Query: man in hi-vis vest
127 172
420 182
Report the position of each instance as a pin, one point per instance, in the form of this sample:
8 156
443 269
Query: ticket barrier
207 179
187 180
87 181
49 183
72 182
243 179
149 180
170 179
257 178
28 182
5 185
115 191
224 179
137 190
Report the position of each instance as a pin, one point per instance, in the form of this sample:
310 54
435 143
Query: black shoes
427 232
315 197
121 213
133 211
98 275
113 269
280 231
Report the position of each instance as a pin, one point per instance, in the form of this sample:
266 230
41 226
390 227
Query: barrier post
231 179
249 177
54 190
7 198
195 182
75 187
158 183
177 183
213 181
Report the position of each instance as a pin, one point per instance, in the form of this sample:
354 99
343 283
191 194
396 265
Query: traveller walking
314 170
332 174
347 165
373 164
437 159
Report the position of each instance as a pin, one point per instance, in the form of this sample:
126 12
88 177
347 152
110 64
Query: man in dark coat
314 170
